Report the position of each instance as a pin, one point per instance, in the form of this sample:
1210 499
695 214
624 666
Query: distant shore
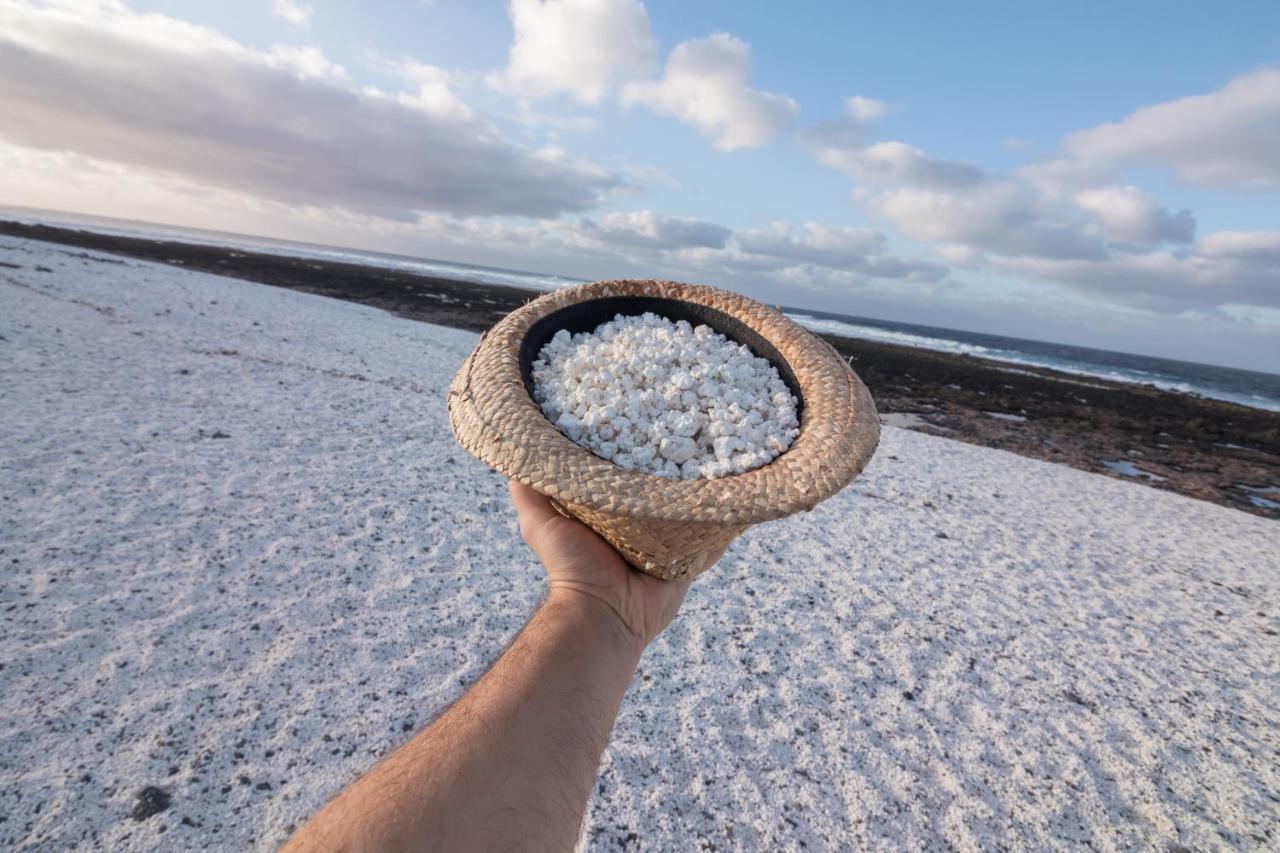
1216 451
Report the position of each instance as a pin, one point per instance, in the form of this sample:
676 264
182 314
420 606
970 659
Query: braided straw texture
667 528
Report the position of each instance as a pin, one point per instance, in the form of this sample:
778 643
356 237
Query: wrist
597 618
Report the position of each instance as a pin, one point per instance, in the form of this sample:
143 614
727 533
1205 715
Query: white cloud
1228 138
1105 242
1066 221
864 109
957 253
992 216
892 276
65 180
1063 176
285 125
305 62
1070 220
1129 215
816 243
1105 238
843 248
833 141
705 85
1230 268
433 92
293 11
814 252
582 48
43 27
898 163
1259 246
648 230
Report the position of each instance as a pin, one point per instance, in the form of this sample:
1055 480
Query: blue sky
1007 167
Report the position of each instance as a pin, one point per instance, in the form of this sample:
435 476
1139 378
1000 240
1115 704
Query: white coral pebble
666 398
678 449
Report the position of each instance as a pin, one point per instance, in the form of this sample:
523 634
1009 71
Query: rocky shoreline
1207 449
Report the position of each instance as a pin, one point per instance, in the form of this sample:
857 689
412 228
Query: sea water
1247 387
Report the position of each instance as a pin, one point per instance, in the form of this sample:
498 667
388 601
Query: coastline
1213 450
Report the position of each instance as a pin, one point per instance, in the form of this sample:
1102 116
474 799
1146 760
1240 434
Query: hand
579 562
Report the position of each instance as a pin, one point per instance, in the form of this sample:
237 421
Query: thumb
533 509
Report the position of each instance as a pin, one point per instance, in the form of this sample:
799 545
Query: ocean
1247 387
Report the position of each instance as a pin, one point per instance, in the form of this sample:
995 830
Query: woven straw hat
668 528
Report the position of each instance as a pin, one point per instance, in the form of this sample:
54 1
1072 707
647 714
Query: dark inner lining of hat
586 316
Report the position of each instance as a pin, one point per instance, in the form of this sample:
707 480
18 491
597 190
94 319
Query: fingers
534 509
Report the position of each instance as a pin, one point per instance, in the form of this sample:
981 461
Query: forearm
512 763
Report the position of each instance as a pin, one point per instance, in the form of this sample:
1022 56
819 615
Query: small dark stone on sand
151 801
942 535
263 786
1072 696
908 695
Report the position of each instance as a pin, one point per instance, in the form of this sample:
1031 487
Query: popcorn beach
172 639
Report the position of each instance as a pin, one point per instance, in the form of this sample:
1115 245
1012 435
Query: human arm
512 763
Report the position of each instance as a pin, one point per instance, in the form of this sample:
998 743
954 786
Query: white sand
247 622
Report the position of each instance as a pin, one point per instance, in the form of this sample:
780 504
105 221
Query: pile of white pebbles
672 399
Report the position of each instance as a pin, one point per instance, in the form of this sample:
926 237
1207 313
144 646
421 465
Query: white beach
244 558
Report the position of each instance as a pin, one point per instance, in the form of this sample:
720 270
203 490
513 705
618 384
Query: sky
1099 174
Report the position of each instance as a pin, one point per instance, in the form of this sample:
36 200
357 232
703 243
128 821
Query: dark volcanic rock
151 801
